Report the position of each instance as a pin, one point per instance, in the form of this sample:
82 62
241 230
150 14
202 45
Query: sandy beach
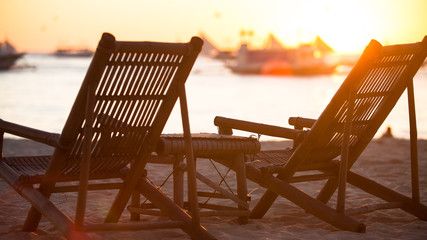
385 160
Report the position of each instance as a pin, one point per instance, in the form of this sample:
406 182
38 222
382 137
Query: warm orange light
349 25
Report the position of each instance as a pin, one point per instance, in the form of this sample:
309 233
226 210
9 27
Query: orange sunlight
349 25
336 20
346 25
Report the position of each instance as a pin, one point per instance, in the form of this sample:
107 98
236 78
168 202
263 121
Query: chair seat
31 170
270 161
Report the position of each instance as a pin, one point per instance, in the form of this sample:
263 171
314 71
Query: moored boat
8 55
306 59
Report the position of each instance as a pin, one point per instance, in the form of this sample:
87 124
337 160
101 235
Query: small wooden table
171 150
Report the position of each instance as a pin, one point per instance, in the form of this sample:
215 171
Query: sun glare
349 25
346 25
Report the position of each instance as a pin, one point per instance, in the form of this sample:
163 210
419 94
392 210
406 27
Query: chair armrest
300 122
48 138
227 124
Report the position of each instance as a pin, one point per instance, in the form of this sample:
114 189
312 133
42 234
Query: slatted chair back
124 102
366 98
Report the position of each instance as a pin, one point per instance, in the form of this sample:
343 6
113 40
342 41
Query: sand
385 160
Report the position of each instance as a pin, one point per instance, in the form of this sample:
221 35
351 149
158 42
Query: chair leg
124 194
263 204
327 191
118 205
34 216
318 209
303 200
409 205
32 221
136 200
178 181
51 212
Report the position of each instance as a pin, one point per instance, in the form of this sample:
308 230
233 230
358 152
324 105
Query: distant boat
68 52
307 59
8 55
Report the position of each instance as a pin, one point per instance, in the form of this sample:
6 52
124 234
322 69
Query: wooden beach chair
120 111
327 148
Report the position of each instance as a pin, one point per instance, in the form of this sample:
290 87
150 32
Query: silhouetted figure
387 133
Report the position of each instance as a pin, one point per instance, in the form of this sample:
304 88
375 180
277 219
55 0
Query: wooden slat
91 187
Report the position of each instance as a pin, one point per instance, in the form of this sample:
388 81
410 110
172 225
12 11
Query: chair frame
181 57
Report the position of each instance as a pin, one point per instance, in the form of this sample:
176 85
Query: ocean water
41 96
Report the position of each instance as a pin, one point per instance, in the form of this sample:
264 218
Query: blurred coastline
41 96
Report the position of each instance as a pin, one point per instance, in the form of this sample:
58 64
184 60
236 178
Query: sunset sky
346 25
